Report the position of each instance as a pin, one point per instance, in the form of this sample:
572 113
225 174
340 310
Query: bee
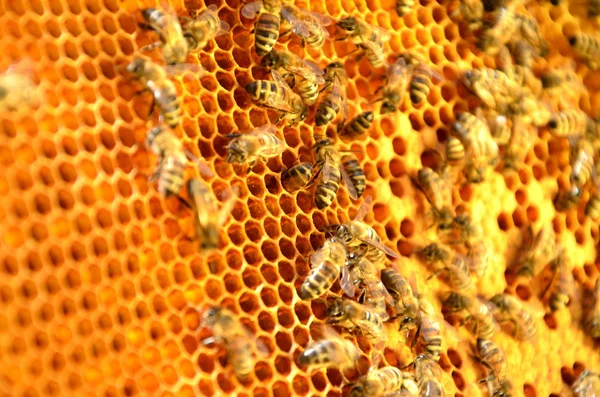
266 27
438 194
484 325
524 54
208 217
569 122
471 13
560 287
592 208
329 164
592 133
403 7
166 25
523 76
529 30
420 83
327 263
307 75
357 128
384 381
172 160
355 174
154 78
520 143
494 88
587 48
334 97
355 233
330 352
259 144
493 358
370 39
543 250
469 232
592 321
297 177
310 26
17 88
406 304
429 332
559 77
586 385
505 27
456 266
204 27
352 315
238 340
397 82
510 309
500 129
278 95
582 162
567 199
455 151
428 374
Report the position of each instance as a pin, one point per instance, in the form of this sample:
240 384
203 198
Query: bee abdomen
419 87
319 280
327 111
567 122
171 179
358 126
241 357
296 177
326 193
403 7
592 208
309 91
356 174
267 32
455 151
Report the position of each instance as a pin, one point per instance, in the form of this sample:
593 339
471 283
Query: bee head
235 154
453 303
191 41
407 323
136 67
210 316
271 60
349 24
387 107
335 310
210 238
573 41
357 391
368 116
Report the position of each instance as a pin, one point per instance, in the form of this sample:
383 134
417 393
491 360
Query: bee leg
285 33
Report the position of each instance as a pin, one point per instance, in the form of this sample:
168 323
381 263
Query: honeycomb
102 284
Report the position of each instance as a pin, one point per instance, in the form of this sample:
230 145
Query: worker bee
198 31
582 162
237 338
438 194
420 82
397 81
307 75
469 232
406 304
471 13
355 233
494 360
259 144
483 323
166 25
327 263
363 273
530 32
357 128
567 199
592 208
429 331
355 173
386 381
297 177
542 251
494 88
592 133
428 374
154 78
334 95
310 26
560 286
17 89
455 151
494 37
523 76
370 39
266 27
510 309
329 164
586 385
403 7
330 352
208 217
592 321
278 95
569 122
172 160
587 48
455 266
354 316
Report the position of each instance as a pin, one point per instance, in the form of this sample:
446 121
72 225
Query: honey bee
357 128
519 144
543 250
386 381
166 25
500 129
238 340
204 27
429 332
510 309
329 164
592 322
363 273
406 304
529 30
455 266
569 122
355 233
455 151
587 48
354 316
310 26
154 78
422 74
494 37
484 325
355 174
398 80
370 39
560 287
278 95
172 160
428 374
438 194
469 232
592 208
307 74
334 97
567 199
266 27
17 89
471 13
592 133
208 217
327 263
297 177
494 88
259 144
493 358
330 352
587 385
523 76
582 162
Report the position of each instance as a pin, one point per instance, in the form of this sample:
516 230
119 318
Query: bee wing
349 185
505 62
317 258
308 70
381 246
275 101
266 128
181 68
328 169
396 72
346 282
228 206
364 209
337 90
250 10
373 287
376 49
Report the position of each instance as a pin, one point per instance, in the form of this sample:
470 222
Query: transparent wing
228 206
381 246
328 169
308 70
376 290
338 91
346 282
349 185
397 72
364 209
265 129
251 9
277 101
375 48
294 16
181 68
317 258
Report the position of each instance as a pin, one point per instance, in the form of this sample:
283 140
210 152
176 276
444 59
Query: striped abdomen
316 39
240 355
582 168
403 7
432 339
567 122
455 151
385 380
587 47
485 326
326 192
266 32
356 173
296 177
325 353
319 280
491 354
459 277
171 175
262 90
357 127
526 328
327 110
420 84
168 102
592 208
308 90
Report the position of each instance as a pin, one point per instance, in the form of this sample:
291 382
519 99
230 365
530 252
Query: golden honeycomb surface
102 285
